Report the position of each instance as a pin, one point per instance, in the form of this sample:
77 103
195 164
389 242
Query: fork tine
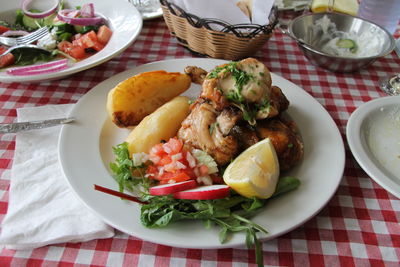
33 36
26 39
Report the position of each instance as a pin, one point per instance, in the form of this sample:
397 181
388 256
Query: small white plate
123 19
85 153
373 134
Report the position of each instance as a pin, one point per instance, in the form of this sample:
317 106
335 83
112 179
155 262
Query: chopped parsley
241 78
235 96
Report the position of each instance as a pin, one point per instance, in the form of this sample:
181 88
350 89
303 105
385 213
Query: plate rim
70 71
353 133
330 194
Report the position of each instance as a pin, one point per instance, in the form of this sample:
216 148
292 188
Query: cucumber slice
347 43
31 23
34 24
49 20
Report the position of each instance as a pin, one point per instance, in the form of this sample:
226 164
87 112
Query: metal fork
26 39
24 46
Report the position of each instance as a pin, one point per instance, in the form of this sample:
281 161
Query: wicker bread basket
233 42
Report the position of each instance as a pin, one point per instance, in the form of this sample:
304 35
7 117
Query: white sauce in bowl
368 44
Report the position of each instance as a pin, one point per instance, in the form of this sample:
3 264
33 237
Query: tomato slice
104 34
152 171
89 39
97 46
173 146
177 177
75 51
7 59
64 46
203 170
3 29
165 160
157 150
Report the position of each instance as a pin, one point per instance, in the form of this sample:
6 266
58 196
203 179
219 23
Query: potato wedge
162 124
138 96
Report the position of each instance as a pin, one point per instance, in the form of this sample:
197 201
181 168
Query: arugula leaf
128 176
286 184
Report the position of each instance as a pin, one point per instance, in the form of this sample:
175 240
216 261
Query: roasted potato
138 96
162 124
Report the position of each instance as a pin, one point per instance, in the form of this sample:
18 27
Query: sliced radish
204 192
166 189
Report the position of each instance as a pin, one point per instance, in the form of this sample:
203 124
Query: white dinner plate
373 134
85 152
122 17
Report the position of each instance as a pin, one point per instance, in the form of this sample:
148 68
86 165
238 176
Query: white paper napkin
227 10
42 208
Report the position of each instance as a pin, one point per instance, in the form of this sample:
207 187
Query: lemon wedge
343 6
255 172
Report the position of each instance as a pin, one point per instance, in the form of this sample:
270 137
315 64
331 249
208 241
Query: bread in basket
232 42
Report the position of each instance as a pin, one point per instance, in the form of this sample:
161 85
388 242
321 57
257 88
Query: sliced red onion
67 16
87 10
44 68
40 5
14 33
40 71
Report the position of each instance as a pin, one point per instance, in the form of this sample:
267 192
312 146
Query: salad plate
373 134
85 151
123 19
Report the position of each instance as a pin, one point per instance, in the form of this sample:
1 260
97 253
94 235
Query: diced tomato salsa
172 163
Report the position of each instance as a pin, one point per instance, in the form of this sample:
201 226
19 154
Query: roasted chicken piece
245 134
245 84
204 129
278 103
197 74
285 138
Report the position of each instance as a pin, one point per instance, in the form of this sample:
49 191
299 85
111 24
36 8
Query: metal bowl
298 29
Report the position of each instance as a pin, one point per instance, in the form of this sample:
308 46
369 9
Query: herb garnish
235 96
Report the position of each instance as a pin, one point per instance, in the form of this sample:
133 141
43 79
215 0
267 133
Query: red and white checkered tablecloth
358 227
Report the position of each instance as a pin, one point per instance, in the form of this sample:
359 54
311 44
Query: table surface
358 227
